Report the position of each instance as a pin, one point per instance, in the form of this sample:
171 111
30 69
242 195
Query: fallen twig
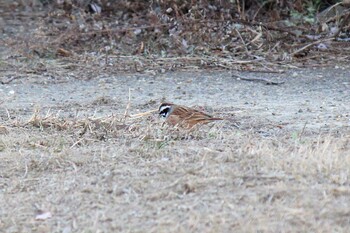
9 80
263 80
311 44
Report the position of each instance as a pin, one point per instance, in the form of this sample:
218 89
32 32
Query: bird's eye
164 112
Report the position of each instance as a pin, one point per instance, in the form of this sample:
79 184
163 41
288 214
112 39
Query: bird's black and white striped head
165 109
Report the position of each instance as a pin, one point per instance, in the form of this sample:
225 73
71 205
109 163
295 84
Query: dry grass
122 174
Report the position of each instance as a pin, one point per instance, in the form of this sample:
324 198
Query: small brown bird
184 117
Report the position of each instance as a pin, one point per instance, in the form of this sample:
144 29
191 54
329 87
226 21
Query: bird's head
165 109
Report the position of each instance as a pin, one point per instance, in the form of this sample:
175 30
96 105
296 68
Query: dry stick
239 8
8 114
126 113
266 81
25 168
311 44
9 80
257 37
245 46
267 71
302 131
76 143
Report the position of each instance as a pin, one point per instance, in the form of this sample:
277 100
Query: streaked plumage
184 117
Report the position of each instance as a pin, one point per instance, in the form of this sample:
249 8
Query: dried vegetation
157 36
118 173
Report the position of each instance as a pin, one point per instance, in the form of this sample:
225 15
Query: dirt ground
278 162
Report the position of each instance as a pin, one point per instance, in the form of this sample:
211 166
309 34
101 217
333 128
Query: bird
184 117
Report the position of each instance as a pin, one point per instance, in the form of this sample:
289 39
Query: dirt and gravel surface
314 99
280 160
